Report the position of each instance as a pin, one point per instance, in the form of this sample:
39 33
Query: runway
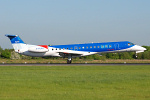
97 64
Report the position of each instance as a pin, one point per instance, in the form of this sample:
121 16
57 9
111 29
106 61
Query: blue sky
75 21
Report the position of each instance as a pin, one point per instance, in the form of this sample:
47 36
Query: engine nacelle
38 48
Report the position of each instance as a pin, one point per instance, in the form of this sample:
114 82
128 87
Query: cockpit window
130 44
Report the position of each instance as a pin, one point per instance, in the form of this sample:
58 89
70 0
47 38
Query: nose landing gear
136 55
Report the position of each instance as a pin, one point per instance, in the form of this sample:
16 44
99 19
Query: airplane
72 50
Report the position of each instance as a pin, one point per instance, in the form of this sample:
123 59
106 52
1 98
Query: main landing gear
69 60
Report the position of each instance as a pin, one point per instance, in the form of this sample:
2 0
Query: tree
125 55
1 49
146 55
6 53
112 56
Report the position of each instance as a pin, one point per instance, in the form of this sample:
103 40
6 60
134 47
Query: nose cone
138 49
142 48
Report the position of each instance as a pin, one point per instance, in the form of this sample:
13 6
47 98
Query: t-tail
21 47
17 43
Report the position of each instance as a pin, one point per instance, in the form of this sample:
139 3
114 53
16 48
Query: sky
52 22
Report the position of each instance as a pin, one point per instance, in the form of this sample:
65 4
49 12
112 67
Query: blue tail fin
18 45
14 39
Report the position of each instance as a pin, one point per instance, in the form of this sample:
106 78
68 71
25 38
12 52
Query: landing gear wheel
68 61
136 55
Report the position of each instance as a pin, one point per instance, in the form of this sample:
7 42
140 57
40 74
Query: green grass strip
75 82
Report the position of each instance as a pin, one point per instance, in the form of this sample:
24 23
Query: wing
72 53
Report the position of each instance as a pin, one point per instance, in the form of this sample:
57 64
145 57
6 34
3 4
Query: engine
39 48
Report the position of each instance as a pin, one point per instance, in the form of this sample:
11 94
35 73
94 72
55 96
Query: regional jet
72 50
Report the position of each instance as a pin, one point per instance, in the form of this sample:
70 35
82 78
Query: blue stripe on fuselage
96 47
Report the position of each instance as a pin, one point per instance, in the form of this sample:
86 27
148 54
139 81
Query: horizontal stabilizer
14 38
11 35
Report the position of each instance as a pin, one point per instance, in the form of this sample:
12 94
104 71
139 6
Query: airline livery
72 50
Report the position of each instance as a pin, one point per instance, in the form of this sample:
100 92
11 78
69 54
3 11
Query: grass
75 82
61 60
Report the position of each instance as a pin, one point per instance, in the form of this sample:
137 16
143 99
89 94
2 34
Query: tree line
10 54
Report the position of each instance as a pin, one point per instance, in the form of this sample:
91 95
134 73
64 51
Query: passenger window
79 47
87 47
82 47
71 48
90 46
102 46
97 46
94 46
110 46
106 46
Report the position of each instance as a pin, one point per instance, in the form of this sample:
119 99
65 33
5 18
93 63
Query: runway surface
73 64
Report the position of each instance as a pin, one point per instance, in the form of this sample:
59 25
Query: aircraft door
117 46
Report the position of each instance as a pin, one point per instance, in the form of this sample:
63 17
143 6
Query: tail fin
14 39
17 43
